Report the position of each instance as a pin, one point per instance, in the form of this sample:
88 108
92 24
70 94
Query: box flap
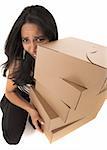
98 57
80 49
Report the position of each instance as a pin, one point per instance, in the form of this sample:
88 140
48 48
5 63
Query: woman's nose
33 46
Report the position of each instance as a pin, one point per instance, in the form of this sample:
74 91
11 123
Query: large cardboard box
71 84
71 74
51 119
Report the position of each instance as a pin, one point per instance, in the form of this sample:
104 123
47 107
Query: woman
34 26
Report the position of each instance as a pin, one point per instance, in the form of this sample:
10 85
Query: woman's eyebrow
24 37
39 36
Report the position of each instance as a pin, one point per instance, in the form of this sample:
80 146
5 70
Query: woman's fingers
37 126
36 120
41 121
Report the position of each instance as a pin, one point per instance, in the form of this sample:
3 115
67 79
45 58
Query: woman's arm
22 103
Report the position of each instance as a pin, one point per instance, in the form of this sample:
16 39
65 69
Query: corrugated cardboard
71 73
64 130
61 132
51 119
71 84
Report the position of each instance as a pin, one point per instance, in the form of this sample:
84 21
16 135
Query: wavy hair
40 16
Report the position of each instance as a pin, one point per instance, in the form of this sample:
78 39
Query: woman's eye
25 40
40 39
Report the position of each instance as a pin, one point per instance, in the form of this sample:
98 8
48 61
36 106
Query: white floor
92 135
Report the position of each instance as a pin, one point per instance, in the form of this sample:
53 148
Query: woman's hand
36 119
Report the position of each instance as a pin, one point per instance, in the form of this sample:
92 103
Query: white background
84 19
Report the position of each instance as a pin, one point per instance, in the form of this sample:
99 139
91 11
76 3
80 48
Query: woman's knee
10 139
10 136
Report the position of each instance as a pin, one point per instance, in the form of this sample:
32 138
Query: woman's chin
34 56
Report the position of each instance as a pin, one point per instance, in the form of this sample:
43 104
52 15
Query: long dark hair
13 46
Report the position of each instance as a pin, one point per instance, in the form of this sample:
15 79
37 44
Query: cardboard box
70 74
71 84
61 132
51 119
64 130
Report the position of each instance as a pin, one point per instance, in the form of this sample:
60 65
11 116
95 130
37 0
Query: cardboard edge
52 136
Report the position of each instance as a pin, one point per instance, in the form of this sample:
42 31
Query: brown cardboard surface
60 132
53 101
71 75
72 114
64 130
80 49
98 57
71 84
51 119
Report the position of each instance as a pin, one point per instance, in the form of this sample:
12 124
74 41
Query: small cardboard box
61 132
51 119
64 130
71 73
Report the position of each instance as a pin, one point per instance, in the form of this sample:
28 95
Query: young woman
34 26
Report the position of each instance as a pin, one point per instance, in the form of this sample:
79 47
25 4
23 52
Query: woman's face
31 36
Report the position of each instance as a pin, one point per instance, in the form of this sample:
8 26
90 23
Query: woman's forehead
30 28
